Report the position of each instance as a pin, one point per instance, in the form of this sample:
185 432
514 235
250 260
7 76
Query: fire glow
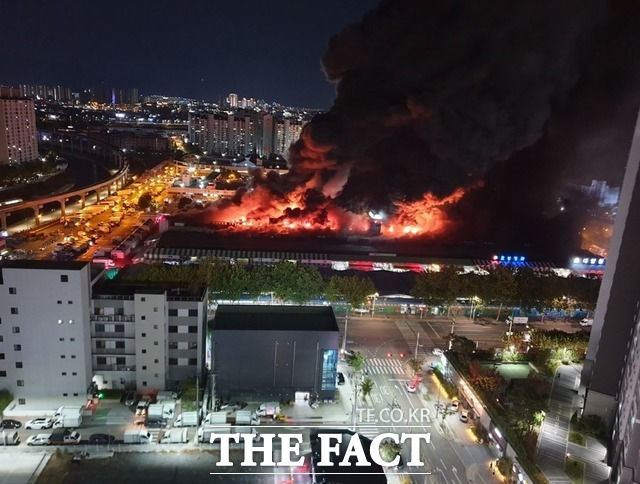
261 211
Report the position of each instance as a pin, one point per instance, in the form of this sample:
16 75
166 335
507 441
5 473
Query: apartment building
147 337
17 128
45 339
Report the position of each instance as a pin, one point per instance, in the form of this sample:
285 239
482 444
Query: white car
411 388
454 405
464 416
437 352
39 423
40 439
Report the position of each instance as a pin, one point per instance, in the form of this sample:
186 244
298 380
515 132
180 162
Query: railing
114 351
112 318
114 367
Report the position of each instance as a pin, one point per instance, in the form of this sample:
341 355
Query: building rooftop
52 265
106 289
275 318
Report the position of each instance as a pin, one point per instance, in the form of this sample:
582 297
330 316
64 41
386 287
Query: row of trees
28 171
502 285
286 281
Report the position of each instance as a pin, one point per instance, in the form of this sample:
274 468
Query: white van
586 322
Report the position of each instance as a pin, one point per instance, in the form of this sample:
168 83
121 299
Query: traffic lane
374 337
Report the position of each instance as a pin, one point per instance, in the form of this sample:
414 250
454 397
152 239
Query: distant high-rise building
233 100
17 127
612 366
267 135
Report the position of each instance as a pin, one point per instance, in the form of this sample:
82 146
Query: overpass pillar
3 221
62 209
36 214
82 199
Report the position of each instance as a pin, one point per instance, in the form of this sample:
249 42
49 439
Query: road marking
436 333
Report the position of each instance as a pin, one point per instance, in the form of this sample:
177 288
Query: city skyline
214 53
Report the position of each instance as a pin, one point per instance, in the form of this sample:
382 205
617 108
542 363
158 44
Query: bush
505 466
449 387
6 397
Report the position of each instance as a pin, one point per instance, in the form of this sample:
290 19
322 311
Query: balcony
114 368
112 318
114 351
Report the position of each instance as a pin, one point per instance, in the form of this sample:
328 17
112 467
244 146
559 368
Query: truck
517 320
9 438
246 417
169 408
204 432
137 437
270 409
175 436
216 418
166 395
156 410
187 419
65 437
68 417
243 429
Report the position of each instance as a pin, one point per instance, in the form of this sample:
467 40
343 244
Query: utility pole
346 327
355 406
415 356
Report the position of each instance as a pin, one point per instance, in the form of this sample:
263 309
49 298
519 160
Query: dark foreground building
286 352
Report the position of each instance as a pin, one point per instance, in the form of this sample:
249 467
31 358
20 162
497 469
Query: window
155 310
69 302
101 360
144 383
12 290
72 339
59 302
173 345
65 394
22 401
156 375
121 360
15 329
1 338
193 312
62 356
143 318
64 278
173 361
156 360
61 339
64 373
1 356
119 328
99 328
101 345
144 367
73 357
173 329
329 369
193 361
144 335
17 347
173 312
20 383
75 373
193 329
155 343
144 351
155 326
120 345
193 345
75 394
18 364
3 373
14 310
143 299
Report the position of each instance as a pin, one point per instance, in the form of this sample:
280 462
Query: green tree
144 201
353 290
389 450
366 387
259 281
499 286
6 397
291 282
528 288
189 394
356 361
448 285
426 288
528 398
415 364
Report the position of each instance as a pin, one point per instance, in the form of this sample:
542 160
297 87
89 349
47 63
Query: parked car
39 423
101 439
348 353
130 399
156 423
454 405
464 416
40 439
437 352
10 424
341 379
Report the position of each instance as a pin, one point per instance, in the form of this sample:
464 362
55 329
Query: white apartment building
45 338
17 129
64 328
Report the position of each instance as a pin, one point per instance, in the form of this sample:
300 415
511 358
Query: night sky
194 48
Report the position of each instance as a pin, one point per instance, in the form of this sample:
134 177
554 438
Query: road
387 343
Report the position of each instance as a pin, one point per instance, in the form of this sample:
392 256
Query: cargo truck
175 436
67 409
9 438
204 432
246 417
158 410
68 417
137 437
270 409
187 419
215 418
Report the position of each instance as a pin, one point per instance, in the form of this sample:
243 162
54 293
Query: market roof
274 318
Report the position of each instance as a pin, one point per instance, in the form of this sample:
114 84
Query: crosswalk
384 366
368 430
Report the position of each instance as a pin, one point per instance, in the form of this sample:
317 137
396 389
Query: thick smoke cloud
431 94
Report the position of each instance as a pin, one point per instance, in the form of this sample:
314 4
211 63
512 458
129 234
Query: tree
528 397
356 361
291 282
353 290
499 286
425 288
189 394
415 364
366 387
144 201
184 202
389 450
6 397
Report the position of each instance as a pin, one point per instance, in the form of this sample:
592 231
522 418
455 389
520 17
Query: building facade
45 339
278 350
612 363
18 141
145 337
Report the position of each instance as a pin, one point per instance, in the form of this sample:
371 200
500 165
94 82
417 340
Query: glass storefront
329 369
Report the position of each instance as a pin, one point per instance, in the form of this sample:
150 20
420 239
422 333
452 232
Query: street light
373 309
